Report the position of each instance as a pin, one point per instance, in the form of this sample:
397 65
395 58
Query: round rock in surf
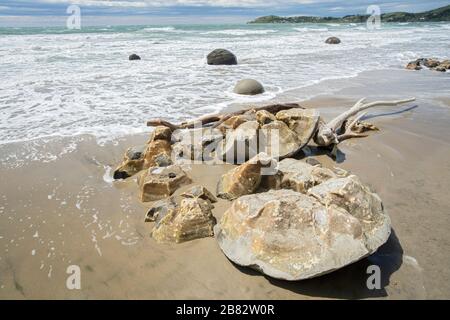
221 57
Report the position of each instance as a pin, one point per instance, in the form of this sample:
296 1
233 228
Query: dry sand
68 212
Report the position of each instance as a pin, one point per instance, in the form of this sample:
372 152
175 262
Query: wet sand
68 211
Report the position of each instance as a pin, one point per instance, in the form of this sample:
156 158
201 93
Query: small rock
265 117
132 163
160 208
333 40
161 182
161 133
248 87
190 220
199 192
431 63
440 68
445 64
134 57
244 179
414 65
221 57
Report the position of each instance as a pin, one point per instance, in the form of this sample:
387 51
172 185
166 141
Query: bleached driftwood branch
328 132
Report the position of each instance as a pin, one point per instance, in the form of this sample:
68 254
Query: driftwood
217 119
328 134
325 134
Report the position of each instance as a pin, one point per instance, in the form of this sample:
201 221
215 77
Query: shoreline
66 211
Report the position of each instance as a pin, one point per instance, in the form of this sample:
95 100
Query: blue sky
53 12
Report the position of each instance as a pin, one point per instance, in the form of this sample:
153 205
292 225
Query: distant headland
436 15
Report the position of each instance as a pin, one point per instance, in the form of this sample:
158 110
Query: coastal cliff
436 15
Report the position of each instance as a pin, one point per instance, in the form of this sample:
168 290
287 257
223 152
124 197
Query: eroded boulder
199 192
160 182
132 163
301 176
293 236
244 179
191 219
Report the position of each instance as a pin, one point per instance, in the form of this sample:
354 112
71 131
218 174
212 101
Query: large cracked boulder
191 219
160 182
293 236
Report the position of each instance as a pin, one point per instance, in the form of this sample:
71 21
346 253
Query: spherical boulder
248 87
333 40
221 57
134 57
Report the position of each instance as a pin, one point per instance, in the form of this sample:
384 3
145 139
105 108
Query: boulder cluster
288 218
430 63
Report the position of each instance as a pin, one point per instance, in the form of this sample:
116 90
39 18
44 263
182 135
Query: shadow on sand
349 282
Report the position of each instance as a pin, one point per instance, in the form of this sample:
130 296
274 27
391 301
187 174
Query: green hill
436 15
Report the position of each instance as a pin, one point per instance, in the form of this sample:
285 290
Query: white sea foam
70 84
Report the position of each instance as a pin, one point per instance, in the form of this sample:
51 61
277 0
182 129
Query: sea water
60 82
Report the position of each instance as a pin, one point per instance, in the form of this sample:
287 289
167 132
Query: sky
101 12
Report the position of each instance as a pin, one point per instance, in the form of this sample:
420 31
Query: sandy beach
68 210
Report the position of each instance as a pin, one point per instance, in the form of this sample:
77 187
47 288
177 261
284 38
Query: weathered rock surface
248 87
134 57
191 219
333 40
414 65
302 121
277 139
199 192
157 149
235 121
265 117
197 144
301 176
280 135
133 162
156 153
161 133
160 208
289 235
350 194
160 182
431 63
244 179
221 57
241 144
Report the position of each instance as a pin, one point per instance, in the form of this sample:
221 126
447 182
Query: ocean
60 82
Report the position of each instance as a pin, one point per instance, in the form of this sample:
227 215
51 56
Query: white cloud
168 3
